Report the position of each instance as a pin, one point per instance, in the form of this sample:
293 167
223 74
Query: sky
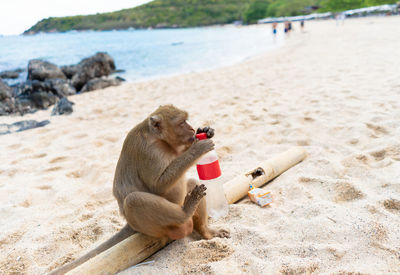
16 16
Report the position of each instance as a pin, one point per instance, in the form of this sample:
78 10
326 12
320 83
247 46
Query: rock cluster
21 126
48 84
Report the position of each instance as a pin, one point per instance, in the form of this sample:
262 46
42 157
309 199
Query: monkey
150 186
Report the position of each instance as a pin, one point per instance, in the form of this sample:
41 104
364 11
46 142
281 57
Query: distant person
290 26
302 25
340 18
274 25
286 24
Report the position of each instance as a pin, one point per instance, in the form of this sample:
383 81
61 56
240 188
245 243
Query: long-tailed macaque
150 185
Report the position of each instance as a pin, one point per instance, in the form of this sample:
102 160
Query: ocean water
143 54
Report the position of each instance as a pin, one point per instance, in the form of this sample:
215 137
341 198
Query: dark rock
12 105
22 89
40 86
63 107
101 64
24 105
61 87
120 79
10 74
5 91
7 107
42 100
42 70
21 126
119 71
99 83
70 70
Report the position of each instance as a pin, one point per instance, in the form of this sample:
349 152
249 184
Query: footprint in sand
58 159
337 191
80 136
53 169
75 174
392 205
375 159
394 152
85 217
13 263
113 139
26 151
353 141
38 156
98 143
200 253
303 142
377 129
11 239
44 187
205 251
377 231
26 203
379 154
14 146
346 192
311 269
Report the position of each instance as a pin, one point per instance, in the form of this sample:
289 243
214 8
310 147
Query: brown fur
150 185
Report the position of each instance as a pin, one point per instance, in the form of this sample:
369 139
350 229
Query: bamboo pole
138 247
237 188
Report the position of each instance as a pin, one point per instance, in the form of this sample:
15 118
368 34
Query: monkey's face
182 133
172 127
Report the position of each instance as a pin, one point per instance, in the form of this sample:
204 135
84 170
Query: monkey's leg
200 218
155 216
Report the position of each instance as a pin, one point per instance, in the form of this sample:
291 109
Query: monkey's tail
124 233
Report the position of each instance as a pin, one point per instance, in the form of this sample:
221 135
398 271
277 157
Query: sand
333 89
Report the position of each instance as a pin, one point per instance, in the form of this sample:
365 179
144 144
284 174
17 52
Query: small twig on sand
332 219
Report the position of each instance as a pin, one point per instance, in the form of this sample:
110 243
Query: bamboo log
127 253
138 247
237 188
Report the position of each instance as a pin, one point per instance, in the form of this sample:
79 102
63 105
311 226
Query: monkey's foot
193 198
222 233
209 233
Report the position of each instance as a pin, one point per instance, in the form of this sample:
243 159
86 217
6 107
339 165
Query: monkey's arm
174 171
177 168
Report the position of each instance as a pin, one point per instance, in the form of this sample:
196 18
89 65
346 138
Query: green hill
158 13
191 13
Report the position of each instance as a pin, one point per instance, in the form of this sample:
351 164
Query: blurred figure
274 25
302 25
340 18
286 24
290 26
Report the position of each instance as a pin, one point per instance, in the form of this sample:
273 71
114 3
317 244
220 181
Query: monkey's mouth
191 139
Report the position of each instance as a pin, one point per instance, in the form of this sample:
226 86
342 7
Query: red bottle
208 166
209 171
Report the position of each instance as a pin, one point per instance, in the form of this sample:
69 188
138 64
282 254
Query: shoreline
278 44
56 59
331 90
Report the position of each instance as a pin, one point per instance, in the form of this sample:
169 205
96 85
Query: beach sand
334 90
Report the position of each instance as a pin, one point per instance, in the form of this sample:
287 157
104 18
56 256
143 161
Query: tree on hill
257 9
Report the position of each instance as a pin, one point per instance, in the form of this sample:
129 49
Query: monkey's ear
155 122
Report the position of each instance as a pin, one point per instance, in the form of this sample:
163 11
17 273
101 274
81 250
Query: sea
142 54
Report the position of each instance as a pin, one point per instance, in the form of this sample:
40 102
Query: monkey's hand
200 147
193 198
208 130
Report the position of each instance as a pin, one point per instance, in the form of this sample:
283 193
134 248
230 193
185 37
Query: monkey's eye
182 123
